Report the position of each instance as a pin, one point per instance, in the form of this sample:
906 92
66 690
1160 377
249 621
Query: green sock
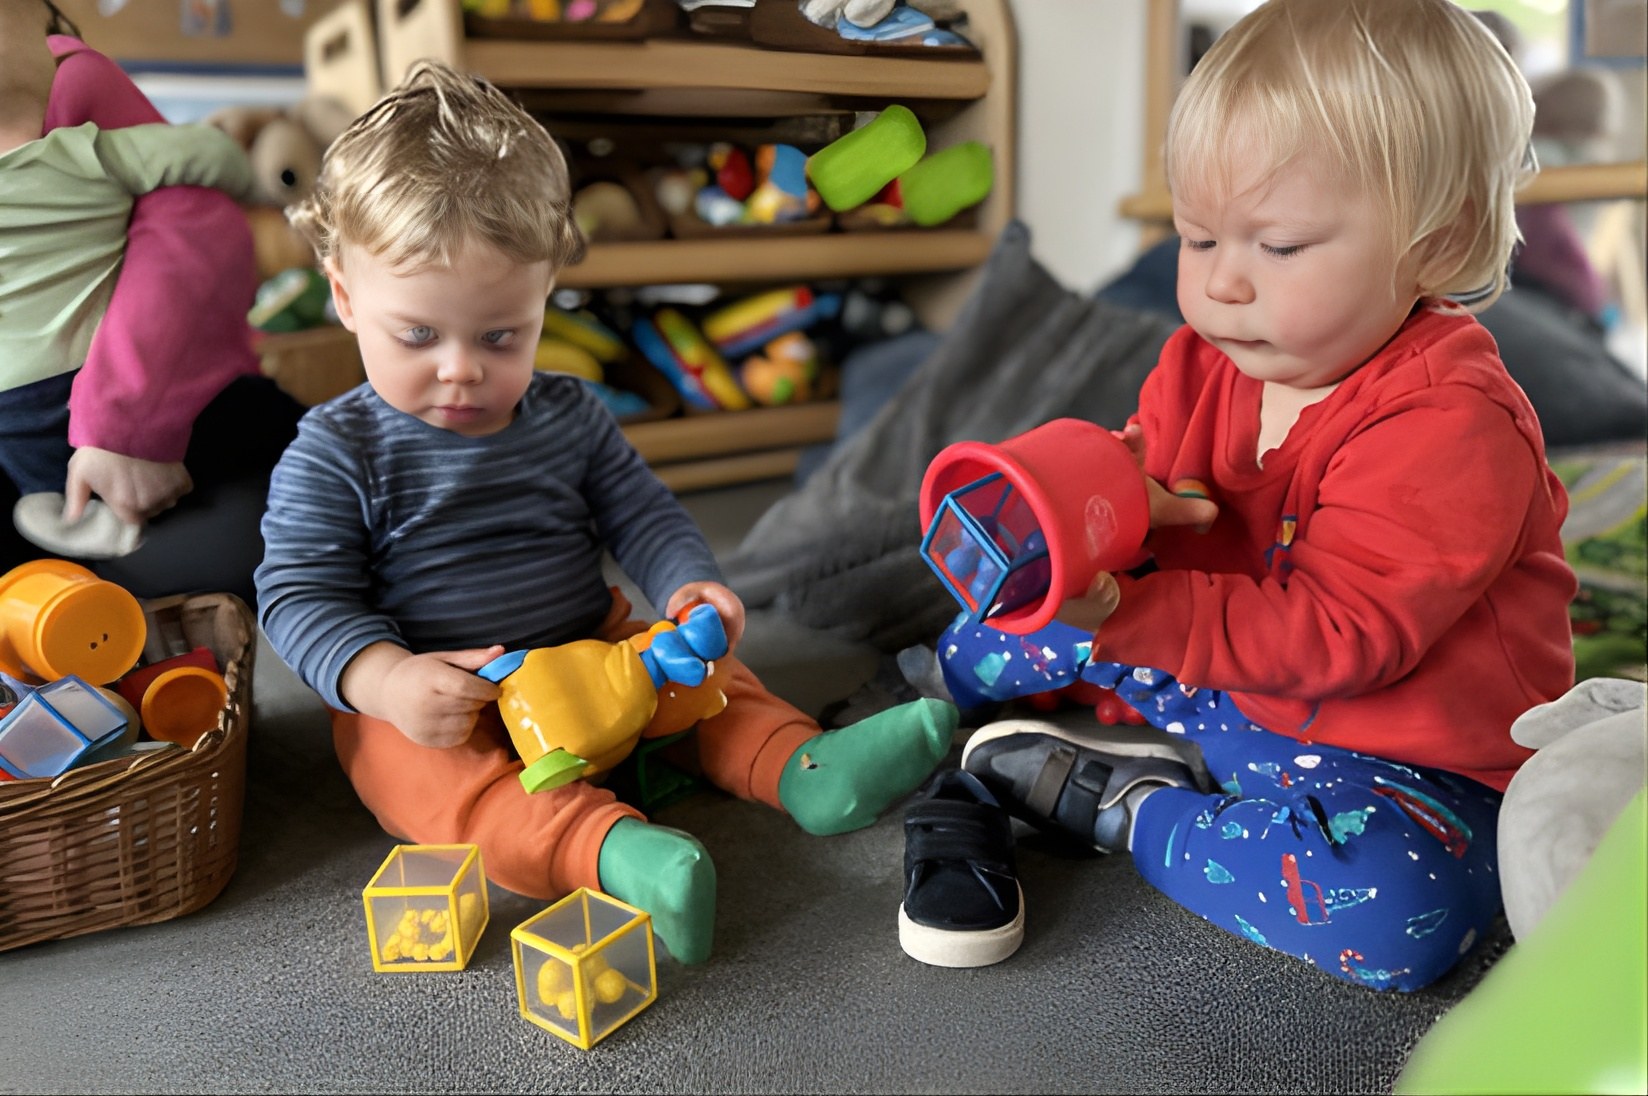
670 875
843 779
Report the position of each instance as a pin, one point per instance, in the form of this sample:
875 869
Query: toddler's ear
340 292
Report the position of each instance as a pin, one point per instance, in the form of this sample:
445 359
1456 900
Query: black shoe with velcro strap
1078 781
962 903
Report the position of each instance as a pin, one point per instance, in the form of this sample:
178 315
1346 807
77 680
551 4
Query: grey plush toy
99 534
1591 760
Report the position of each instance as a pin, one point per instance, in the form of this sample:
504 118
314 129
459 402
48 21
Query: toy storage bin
142 838
312 366
584 966
426 908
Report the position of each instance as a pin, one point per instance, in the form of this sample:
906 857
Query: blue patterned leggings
1378 873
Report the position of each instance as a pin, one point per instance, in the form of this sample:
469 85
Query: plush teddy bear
1591 759
285 146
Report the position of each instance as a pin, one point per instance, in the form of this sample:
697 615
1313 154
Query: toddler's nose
1227 283
459 366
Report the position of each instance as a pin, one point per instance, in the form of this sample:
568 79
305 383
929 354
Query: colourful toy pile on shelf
736 187
878 175
757 350
73 691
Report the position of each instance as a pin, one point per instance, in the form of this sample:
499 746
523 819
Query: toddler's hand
1133 435
135 489
433 698
725 601
1093 608
1186 506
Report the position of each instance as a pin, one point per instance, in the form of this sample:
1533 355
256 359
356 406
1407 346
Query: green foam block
947 182
853 168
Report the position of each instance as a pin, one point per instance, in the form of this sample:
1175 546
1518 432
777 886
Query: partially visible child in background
171 423
66 197
458 504
1376 587
1576 114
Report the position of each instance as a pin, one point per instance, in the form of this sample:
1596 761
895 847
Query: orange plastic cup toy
183 703
57 618
1069 483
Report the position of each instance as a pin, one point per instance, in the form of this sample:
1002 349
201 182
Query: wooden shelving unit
779 259
967 98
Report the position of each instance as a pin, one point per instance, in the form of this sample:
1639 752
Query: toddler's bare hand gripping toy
1016 528
578 709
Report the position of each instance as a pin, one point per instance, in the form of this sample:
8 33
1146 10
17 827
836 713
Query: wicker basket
139 839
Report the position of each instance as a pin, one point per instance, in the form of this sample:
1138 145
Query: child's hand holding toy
135 489
432 697
106 501
1186 504
726 603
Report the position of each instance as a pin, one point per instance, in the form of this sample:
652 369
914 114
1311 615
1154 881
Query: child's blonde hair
442 160
1416 101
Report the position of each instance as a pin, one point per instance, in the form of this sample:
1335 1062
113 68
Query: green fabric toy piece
947 182
843 779
853 168
668 873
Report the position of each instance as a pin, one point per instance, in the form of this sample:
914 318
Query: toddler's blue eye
499 339
417 336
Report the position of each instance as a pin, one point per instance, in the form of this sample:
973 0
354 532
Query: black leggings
210 542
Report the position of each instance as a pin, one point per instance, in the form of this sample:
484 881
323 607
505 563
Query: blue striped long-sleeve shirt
382 527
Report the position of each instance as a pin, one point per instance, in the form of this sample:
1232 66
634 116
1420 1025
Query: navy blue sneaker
1083 782
962 903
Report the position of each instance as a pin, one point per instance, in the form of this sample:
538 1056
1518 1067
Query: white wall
1081 86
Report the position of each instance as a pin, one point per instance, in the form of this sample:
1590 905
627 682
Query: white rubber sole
951 948
1076 731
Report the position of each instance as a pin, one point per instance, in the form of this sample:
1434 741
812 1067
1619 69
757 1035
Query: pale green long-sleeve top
65 201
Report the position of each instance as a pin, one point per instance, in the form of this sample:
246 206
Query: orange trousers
545 844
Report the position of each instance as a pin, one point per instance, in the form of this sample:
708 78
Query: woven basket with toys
122 751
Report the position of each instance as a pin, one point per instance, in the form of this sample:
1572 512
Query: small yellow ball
552 980
610 986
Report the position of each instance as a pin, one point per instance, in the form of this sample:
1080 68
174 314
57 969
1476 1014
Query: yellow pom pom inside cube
584 966
426 908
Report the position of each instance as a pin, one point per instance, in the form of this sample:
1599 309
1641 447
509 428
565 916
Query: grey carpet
271 989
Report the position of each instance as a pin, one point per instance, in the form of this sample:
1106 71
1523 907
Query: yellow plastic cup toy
57 618
183 703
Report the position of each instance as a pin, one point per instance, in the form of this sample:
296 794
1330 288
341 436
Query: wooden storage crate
315 365
138 839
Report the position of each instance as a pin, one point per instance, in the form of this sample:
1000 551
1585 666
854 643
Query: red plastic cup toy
1016 528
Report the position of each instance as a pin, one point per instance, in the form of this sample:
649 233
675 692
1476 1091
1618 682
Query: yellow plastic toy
583 330
584 966
576 710
426 908
59 619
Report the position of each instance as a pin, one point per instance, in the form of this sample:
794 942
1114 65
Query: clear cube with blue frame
986 546
53 727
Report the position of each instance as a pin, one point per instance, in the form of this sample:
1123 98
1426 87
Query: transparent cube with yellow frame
426 908
584 966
